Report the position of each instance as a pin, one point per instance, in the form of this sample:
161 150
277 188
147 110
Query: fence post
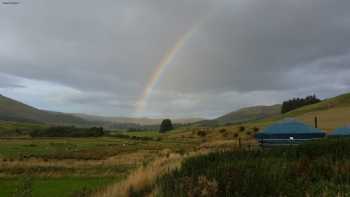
239 143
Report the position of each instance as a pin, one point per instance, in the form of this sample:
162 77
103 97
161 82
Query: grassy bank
316 169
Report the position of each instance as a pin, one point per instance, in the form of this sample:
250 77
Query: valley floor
75 166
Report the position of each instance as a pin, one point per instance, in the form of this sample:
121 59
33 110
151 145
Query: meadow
74 166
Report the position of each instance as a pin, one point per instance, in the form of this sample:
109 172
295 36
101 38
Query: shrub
256 129
201 133
241 128
222 130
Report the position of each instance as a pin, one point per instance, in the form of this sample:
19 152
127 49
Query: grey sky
96 56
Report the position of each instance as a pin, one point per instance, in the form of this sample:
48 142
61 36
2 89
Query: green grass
144 133
17 129
54 146
54 187
79 148
84 159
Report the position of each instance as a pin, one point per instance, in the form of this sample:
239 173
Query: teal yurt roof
341 131
290 126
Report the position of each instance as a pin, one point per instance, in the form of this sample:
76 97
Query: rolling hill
12 110
332 113
139 121
245 115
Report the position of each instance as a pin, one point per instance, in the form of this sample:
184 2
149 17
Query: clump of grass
85 192
222 130
236 135
256 129
201 133
24 187
142 181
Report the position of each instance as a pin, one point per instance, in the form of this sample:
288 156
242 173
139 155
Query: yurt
340 132
288 132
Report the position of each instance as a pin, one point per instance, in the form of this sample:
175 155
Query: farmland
187 160
74 165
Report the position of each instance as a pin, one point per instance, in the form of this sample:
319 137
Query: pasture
143 133
75 166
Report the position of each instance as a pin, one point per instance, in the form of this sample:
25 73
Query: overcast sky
96 56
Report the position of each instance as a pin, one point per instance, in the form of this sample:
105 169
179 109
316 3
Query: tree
166 126
296 103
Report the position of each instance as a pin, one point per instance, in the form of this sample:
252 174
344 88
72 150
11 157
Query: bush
241 128
222 130
201 133
256 129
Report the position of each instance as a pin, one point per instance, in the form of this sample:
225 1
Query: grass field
144 133
14 128
63 166
56 187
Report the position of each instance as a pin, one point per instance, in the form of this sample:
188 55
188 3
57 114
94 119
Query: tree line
68 131
296 103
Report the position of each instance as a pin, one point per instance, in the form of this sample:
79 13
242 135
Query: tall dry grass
143 179
64 167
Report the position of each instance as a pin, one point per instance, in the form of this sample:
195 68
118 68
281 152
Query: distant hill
245 115
12 110
139 121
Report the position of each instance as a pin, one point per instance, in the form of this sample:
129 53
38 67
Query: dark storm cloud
258 51
254 46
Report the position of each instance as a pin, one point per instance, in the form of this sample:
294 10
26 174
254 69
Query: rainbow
159 70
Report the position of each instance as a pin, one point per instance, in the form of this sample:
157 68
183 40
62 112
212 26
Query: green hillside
245 115
342 101
332 113
11 110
